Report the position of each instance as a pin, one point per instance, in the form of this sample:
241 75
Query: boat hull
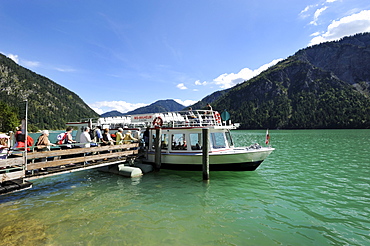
228 160
247 166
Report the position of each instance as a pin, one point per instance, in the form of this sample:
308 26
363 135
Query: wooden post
25 140
158 146
205 147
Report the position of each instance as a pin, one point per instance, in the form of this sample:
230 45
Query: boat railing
190 118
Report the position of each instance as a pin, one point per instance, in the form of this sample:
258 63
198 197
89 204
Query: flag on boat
267 137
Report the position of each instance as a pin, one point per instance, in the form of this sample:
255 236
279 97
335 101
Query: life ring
157 122
217 117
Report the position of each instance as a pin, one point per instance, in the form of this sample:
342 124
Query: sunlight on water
312 190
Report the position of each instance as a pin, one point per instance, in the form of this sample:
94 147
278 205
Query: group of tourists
91 138
105 138
88 138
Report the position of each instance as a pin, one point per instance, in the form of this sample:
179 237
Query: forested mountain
112 113
156 107
159 106
323 86
209 99
50 105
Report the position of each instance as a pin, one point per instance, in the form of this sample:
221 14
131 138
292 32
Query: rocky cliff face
324 86
348 59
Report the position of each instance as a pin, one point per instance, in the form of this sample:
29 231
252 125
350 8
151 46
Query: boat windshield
218 140
229 139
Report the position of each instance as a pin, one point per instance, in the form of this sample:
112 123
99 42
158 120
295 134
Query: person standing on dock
107 139
85 138
98 135
68 139
43 142
20 138
119 136
128 138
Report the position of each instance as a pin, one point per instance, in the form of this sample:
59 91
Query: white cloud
65 69
349 25
186 102
305 12
14 58
317 14
315 34
121 106
30 63
229 80
306 9
25 63
98 110
181 86
331 1
34 64
200 83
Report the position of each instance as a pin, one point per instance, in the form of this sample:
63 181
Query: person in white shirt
85 138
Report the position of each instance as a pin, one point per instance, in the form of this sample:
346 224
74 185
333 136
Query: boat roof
176 119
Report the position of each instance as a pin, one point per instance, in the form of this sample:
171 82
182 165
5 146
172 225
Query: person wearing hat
128 138
119 136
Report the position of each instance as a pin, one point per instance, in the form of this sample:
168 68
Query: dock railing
59 160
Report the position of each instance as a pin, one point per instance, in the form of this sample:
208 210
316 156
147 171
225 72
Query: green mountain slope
50 105
318 87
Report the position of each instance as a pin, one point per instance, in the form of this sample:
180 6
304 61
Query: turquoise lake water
314 189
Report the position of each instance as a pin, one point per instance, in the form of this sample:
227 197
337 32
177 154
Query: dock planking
48 163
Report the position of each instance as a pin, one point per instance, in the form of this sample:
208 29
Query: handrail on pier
16 168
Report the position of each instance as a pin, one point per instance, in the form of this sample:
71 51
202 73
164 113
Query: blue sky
120 55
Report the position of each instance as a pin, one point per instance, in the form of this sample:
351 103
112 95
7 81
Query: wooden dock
16 172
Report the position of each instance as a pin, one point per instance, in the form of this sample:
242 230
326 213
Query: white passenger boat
181 139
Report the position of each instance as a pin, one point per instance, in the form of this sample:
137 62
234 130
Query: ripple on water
312 190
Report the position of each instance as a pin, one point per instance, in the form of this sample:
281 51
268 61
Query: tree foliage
50 105
9 118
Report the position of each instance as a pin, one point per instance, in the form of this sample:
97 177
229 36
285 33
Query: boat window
229 139
218 140
178 142
195 141
164 142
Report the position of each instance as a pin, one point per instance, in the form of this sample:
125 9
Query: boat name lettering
144 117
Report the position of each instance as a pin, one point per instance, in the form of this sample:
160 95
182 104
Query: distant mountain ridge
156 107
323 86
112 113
